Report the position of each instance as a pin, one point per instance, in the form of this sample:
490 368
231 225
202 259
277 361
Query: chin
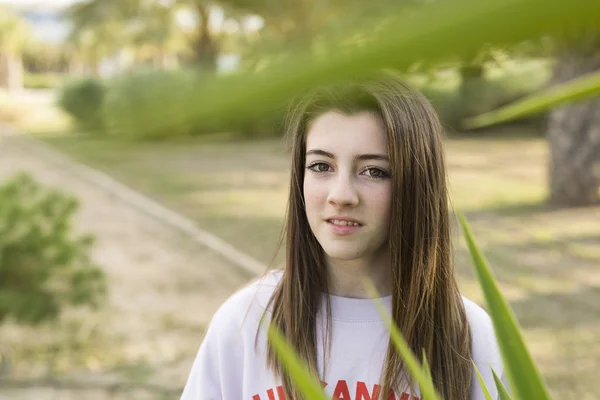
343 253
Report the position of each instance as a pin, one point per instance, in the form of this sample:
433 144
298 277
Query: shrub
83 100
43 268
132 111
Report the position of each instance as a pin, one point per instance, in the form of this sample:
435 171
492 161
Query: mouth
343 227
343 222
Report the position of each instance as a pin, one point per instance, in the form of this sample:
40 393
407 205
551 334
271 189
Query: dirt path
164 288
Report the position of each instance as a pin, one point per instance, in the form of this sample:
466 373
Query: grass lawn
238 189
545 260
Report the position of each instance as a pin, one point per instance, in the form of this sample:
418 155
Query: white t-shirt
228 366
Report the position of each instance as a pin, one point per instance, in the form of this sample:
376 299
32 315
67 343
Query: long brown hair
426 303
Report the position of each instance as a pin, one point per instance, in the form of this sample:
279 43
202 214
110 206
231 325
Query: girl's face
347 186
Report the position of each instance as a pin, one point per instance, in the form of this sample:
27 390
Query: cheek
381 203
314 195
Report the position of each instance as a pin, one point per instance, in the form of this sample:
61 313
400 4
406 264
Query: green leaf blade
417 371
520 369
433 33
426 368
502 391
484 388
576 89
307 384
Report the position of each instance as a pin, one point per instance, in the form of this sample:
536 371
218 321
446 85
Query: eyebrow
360 157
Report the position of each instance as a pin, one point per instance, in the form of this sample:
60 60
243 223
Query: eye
318 167
377 173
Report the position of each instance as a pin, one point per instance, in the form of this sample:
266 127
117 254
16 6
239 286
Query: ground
165 288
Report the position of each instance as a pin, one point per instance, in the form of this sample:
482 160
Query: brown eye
377 173
319 167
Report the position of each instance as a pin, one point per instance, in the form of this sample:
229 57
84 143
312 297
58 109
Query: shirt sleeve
217 371
204 381
485 352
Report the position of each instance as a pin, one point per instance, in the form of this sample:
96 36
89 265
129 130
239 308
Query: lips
343 225
343 221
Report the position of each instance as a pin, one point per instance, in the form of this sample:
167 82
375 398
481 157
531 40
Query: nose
343 192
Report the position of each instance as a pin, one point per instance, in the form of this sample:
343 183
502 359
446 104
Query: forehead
336 132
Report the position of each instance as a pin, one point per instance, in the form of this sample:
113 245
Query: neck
347 277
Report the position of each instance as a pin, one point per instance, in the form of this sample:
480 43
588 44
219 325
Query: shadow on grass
510 210
559 310
533 208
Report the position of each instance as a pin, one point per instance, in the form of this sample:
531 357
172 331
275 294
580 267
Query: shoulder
218 369
484 346
247 305
482 328
478 318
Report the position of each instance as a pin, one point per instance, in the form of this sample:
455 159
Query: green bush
83 99
132 111
43 267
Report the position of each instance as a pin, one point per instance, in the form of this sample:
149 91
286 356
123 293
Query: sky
39 4
43 16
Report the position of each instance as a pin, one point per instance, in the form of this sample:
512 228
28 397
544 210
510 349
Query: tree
14 35
41 57
155 37
296 25
204 45
147 29
89 46
573 130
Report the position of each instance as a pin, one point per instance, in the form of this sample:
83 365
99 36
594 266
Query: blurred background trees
112 38
183 100
14 37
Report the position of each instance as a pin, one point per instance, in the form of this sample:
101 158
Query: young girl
368 199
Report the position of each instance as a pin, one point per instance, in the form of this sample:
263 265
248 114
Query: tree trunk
204 46
15 81
573 133
472 96
3 71
11 72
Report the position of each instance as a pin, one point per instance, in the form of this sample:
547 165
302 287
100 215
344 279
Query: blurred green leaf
434 32
426 368
486 392
520 369
417 371
576 89
300 376
502 392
